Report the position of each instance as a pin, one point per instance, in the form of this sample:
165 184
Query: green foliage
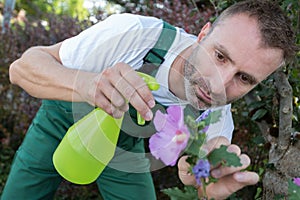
187 193
213 117
197 137
223 157
194 147
40 8
6 158
259 114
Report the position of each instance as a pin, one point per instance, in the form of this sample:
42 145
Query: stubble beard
189 83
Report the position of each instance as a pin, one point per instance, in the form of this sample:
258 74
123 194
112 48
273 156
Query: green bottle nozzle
150 81
152 85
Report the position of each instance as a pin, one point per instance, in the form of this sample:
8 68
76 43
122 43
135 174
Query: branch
285 109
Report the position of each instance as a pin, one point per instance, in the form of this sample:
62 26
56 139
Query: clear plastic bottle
90 144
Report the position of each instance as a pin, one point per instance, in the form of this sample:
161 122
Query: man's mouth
203 96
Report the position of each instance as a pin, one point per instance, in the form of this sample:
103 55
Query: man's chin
200 105
205 106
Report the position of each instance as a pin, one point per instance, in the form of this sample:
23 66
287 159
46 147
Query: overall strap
151 62
155 57
163 44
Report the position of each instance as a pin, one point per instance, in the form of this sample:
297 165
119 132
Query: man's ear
204 31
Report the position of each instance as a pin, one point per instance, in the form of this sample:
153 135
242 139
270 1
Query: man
248 42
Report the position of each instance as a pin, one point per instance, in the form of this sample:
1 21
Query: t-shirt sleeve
119 38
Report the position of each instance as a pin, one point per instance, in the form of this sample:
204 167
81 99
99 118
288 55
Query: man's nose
221 80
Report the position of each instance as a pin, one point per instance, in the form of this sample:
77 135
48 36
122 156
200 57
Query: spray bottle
90 143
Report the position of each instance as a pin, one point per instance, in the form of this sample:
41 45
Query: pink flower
297 181
171 137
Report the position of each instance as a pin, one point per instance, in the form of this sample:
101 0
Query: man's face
228 62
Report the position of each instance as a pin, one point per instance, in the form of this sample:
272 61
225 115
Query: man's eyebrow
226 54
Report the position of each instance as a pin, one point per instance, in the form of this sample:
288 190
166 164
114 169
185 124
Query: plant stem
204 189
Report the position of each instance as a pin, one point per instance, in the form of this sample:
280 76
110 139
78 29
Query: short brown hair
275 26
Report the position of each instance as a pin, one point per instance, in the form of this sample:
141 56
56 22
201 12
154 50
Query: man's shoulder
131 15
141 20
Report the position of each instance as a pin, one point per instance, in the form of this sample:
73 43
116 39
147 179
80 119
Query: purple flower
297 181
171 137
201 170
202 117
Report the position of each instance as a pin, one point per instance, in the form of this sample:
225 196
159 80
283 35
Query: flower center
180 137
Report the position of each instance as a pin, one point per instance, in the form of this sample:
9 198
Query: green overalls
33 175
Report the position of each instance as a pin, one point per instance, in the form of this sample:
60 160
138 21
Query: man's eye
219 56
245 78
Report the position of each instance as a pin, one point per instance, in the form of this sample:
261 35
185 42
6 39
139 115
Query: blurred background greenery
258 117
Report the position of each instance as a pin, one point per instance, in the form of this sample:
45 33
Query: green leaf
188 193
192 126
259 140
222 156
256 105
195 144
213 117
194 147
258 193
192 160
259 114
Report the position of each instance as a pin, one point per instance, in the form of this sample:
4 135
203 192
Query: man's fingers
106 90
141 97
234 149
140 86
182 164
134 89
118 85
183 168
225 186
246 177
224 171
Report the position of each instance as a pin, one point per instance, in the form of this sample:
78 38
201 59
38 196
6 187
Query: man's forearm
39 71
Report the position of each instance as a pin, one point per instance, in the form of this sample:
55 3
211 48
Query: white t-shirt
128 38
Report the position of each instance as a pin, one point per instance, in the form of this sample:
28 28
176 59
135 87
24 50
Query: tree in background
41 8
8 10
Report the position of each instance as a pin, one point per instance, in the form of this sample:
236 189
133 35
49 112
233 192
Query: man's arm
39 71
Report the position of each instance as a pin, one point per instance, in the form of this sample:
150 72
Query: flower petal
168 152
297 181
159 120
175 113
167 143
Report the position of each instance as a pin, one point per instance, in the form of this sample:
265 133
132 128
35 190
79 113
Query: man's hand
230 179
112 89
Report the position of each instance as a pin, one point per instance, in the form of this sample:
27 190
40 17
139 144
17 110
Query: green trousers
33 175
